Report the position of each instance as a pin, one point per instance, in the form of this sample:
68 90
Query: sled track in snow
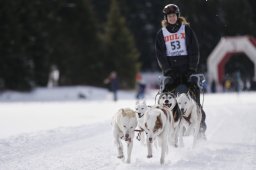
231 143
33 143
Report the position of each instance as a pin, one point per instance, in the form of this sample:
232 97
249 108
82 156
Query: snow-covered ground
69 129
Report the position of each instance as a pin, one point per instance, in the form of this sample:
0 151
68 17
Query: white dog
168 101
157 128
124 123
140 109
191 117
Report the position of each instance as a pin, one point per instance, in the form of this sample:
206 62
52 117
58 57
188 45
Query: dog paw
120 156
128 161
202 136
149 156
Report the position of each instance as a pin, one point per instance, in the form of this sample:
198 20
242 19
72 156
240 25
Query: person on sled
177 53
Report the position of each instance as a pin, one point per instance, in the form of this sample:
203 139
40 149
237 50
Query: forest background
87 39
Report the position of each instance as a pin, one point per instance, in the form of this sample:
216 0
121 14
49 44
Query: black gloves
168 73
174 74
189 73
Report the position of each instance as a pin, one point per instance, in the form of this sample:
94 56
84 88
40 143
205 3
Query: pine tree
239 17
121 53
16 43
75 43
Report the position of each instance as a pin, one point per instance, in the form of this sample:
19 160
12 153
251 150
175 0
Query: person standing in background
54 76
140 86
112 81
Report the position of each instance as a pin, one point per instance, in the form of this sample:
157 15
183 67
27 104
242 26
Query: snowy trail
85 148
231 143
65 148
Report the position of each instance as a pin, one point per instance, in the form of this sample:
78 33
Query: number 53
175 45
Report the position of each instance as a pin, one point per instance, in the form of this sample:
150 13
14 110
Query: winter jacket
181 64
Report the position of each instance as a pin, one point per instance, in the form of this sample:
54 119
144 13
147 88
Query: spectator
53 77
113 83
141 86
213 86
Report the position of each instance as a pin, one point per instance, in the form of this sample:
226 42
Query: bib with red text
175 42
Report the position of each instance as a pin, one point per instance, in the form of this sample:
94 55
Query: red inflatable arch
226 48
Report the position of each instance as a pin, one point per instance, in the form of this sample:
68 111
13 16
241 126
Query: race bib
175 42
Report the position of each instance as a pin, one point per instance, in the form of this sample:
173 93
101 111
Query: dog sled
198 83
164 123
194 89
198 79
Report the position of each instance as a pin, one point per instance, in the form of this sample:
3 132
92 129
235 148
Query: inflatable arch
226 48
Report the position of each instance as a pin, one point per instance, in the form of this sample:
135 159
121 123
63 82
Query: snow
69 128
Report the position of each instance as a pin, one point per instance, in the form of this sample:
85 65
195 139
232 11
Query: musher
177 53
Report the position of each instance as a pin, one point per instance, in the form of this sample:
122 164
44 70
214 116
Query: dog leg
129 151
197 128
203 126
119 148
195 138
163 149
176 137
118 143
149 145
173 137
181 143
142 138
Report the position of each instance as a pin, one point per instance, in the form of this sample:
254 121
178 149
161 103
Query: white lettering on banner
175 42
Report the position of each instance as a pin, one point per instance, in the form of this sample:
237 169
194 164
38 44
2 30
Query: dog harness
187 118
164 110
139 133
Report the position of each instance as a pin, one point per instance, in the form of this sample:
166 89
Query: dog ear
173 95
144 102
178 113
146 125
158 99
188 96
123 112
137 102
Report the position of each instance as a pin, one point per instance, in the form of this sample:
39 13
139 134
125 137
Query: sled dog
124 122
140 109
191 116
168 101
157 129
